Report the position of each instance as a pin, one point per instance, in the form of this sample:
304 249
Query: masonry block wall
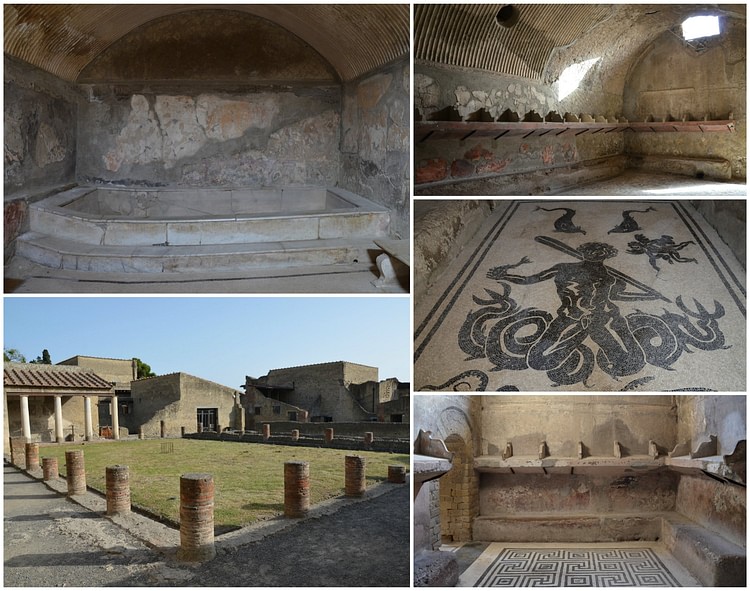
459 493
322 389
175 399
674 79
375 144
113 370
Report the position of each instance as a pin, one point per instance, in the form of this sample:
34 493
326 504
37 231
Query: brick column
266 431
140 433
397 474
196 517
296 488
18 451
328 432
369 437
49 469
354 476
32 456
118 490
76 472
182 431
295 434
163 427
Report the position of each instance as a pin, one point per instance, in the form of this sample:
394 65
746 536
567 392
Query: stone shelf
463 130
428 468
553 465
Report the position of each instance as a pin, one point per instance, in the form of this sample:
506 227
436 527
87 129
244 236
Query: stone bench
712 559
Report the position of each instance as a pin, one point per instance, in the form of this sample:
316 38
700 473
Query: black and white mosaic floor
587 565
586 296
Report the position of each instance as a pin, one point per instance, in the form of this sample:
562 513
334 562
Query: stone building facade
163 405
338 391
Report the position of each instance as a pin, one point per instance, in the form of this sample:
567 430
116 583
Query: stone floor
644 184
623 564
586 296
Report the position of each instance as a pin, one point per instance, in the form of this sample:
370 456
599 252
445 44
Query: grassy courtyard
249 478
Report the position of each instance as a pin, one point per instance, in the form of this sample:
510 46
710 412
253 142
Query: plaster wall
563 421
375 141
723 416
175 398
192 137
673 79
40 122
447 161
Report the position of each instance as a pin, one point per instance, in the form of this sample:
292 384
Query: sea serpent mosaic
599 321
637 567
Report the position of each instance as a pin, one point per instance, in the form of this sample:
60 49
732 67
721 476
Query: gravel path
50 541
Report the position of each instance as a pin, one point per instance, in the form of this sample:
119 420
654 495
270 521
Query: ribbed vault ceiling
468 35
63 39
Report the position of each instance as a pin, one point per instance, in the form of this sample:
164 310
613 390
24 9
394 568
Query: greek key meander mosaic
638 567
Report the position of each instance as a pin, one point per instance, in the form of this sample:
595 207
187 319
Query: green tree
13 355
143 369
44 359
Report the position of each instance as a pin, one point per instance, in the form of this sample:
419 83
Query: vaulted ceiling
64 39
546 37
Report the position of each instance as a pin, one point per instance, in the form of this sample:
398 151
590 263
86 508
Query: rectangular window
258 410
277 410
292 415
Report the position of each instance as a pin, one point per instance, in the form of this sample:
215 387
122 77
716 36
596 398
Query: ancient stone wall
446 161
40 129
322 389
723 416
175 399
563 421
112 370
41 120
375 132
717 506
265 137
674 79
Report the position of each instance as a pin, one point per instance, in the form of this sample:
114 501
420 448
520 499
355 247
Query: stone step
709 557
59 253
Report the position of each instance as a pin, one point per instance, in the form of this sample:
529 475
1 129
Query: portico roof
40 380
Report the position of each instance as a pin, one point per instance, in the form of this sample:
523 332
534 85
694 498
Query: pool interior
169 203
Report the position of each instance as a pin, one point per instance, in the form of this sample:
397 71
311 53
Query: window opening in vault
698 27
572 76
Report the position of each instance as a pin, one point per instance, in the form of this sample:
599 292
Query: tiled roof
30 375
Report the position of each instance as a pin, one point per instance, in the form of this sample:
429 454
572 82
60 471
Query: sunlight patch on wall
572 76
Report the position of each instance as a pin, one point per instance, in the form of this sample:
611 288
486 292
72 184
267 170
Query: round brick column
163 426
354 476
49 469
296 488
369 437
182 431
118 490
32 456
140 433
397 474
295 434
266 431
76 472
328 432
196 517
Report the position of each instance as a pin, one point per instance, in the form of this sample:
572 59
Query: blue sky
222 339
